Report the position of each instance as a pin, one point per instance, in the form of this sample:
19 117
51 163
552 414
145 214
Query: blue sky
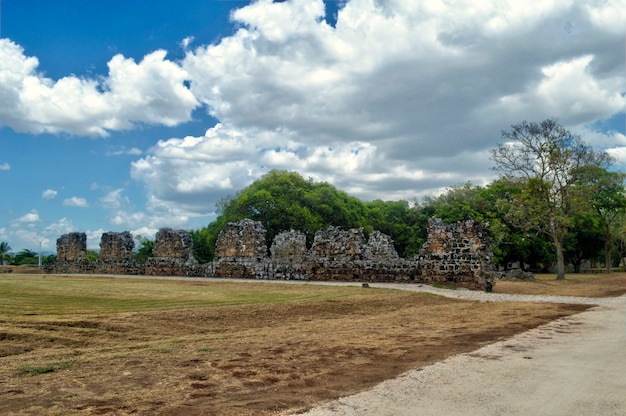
139 115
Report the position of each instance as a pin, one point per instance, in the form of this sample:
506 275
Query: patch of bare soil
241 360
21 269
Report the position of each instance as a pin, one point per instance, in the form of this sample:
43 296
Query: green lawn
34 294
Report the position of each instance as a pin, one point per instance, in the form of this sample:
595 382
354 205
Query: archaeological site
454 254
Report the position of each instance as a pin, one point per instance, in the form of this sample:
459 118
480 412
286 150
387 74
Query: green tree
91 256
144 250
282 201
607 200
584 240
398 220
4 250
25 257
543 159
50 258
204 242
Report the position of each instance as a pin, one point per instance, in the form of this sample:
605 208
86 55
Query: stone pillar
241 251
458 254
72 247
288 255
173 255
116 246
176 244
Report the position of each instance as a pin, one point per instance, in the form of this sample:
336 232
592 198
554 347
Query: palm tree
4 249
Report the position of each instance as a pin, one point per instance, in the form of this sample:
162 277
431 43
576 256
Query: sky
138 115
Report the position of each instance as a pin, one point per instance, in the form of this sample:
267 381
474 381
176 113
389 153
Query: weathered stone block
380 247
337 245
116 246
458 254
176 244
71 247
245 238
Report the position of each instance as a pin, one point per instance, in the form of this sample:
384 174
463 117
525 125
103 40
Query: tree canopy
544 159
515 207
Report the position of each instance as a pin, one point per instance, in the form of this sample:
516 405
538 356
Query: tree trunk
560 261
607 249
560 257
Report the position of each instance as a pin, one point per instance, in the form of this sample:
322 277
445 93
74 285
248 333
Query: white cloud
123 151
94 237
151 91
75 202
49 194
5 166
26 232
568 88
31 217
114 199
60 227
400 100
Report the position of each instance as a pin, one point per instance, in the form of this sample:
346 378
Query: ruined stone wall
458 254
173 255
344 255
289 252
72 247
116 246
241 251
175 244
380 247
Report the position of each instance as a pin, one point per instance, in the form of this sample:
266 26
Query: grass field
586 285
100 345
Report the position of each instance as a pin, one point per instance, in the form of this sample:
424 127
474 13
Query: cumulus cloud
31 217
60 227
123 151
397 99
114 199
76 202
400 99
151 91
5 166
27 231
49 194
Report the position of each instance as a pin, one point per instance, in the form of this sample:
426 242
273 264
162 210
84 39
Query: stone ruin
172 255
116 246
456 254
72 247
241 251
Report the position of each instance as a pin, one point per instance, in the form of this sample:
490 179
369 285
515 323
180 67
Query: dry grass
90 345
585 285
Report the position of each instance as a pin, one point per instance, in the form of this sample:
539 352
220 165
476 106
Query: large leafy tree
4 250
405 225
605 192
25 256
282 201
491 204
543 158
144 249
584 240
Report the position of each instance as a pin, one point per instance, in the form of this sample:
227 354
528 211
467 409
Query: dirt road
573 366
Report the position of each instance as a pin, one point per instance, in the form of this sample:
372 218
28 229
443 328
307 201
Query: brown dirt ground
242 360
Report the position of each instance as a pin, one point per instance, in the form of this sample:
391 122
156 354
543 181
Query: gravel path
572 366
